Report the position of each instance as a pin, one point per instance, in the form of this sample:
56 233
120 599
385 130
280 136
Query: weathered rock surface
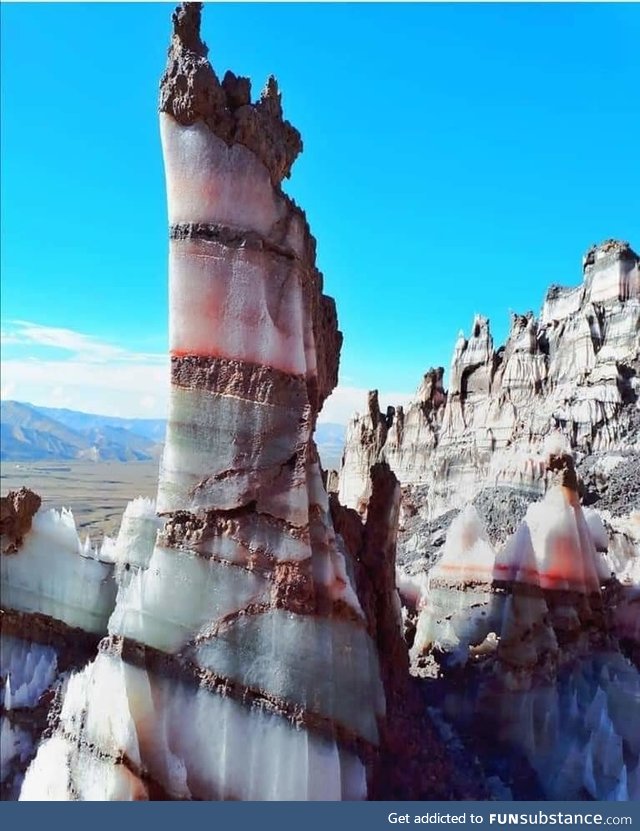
611 481
413 763
573 370
17 510
190 92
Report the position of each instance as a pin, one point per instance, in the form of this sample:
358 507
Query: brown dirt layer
252 382
182 669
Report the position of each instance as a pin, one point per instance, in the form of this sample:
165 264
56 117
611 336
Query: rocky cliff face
574 369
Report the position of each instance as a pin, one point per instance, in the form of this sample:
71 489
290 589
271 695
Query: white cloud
93 376
87 348
9 338
132 389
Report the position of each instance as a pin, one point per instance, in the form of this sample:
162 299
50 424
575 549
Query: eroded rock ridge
575 370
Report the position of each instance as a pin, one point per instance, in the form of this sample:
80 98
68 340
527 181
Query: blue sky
458 159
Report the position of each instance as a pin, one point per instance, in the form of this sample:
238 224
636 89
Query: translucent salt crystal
7 693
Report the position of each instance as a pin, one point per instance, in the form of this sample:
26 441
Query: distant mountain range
30 434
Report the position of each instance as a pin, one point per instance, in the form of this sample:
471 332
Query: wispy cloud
82 372
133 390
78 344
59 367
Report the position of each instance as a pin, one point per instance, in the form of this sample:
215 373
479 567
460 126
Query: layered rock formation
575 369
528 645
239 662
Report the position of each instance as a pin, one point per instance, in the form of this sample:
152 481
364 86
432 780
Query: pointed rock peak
373 405
480 327
271 89
559 462
271 98
186 28
238 90
190 91
521 323
561 470
431 389
433 375
618 249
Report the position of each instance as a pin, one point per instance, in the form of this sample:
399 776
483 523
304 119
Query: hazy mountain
31 433
148 428
26 433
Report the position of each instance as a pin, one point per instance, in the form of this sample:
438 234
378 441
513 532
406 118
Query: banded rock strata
575 369
239 662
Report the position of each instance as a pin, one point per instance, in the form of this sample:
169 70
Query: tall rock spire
239 662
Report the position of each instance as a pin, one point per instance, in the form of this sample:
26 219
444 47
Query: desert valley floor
96 492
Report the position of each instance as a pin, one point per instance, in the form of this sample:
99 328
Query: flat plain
96 492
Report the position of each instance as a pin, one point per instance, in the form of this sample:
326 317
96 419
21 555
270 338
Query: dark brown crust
74 646
294 587
184 529
182 669
230 238
241 379
17 510
190 91
561 471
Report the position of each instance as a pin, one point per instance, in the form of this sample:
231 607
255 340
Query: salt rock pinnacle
239 662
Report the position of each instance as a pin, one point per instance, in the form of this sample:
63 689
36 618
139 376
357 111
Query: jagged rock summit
17 510
190 91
